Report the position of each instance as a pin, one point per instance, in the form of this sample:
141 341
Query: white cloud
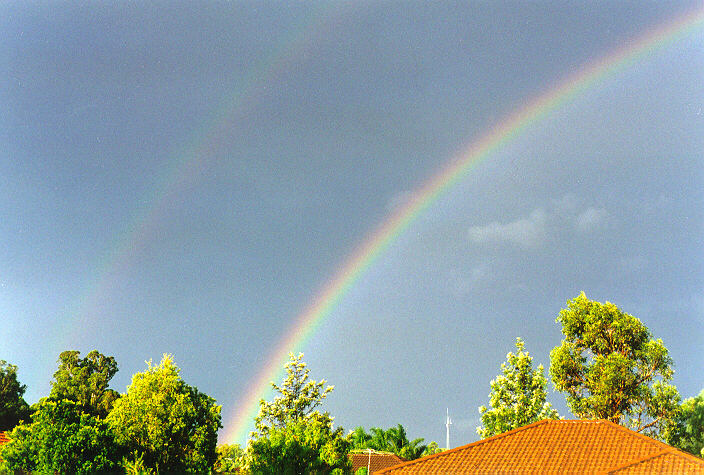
527 232
590 218
564 214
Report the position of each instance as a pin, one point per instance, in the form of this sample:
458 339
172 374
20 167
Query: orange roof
583 446
3 438
377 461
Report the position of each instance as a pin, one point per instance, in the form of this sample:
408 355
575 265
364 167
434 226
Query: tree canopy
61 438
394 440
611 368
13 407
688 434
171 423
298 398
85 380
517 397
291 435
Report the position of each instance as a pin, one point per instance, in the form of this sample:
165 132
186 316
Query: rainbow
502 133
184 167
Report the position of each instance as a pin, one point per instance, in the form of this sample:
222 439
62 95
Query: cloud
526 232
563 215
591 218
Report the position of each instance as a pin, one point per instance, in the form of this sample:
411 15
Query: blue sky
185 177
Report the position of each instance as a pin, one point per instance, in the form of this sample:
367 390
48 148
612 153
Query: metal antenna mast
448 422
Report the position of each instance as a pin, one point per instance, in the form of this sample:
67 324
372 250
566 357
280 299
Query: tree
688 434
298 399
432 449
291 435
518 397
85 380
62 438
13 407
309 445
172 424
394 440
611 368
229 458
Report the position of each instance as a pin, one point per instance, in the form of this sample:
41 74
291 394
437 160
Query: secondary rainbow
182 169
505 131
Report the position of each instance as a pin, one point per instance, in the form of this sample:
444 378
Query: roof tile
582 446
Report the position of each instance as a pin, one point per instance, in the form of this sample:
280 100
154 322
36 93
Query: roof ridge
475 443
669 450
635 434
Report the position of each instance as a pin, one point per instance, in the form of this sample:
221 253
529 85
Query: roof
377 461
582 446
3 438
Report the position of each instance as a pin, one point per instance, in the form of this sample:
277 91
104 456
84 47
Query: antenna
448 422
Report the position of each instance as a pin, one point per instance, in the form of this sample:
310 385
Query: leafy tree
85 380
432 449
172 424
309 445
62 438
392 440
298 399
229 458
688 435
611 368
518 397
291 435
13 407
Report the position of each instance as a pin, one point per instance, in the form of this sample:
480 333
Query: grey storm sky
185 177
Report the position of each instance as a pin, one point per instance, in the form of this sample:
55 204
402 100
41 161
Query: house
561 446
373 460
3 438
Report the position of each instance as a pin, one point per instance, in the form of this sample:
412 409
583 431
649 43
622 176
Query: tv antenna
448 422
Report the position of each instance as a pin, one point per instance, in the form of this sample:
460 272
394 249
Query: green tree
85 380
688 434
518 396
303 446
13 407
298 398
291 435
394 440
61 438
229 458
432 449
611 368
172 424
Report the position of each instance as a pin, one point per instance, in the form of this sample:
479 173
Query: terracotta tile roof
378 461
668 461
3 438
583 446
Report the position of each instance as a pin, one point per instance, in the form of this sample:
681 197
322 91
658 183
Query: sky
188 177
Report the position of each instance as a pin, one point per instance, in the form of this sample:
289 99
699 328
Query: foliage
432 449
171 423
13 407
518 397
134 465
291 435
229 458
85 380
611 368
688 434
392 440
309 445
62 438
299 397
